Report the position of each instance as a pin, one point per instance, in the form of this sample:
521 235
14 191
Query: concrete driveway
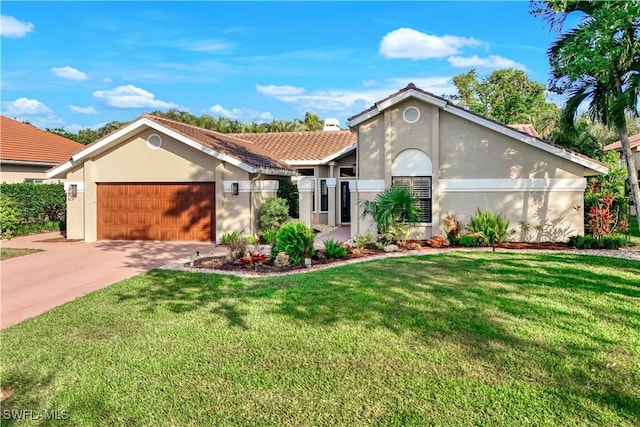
35 283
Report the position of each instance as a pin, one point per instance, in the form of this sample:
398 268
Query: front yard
458 338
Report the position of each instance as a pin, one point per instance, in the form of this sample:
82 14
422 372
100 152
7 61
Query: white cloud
74 128
14 29
24 106
241 113
492 62
107 80
83 110
276 91
411 44
69 73
130 96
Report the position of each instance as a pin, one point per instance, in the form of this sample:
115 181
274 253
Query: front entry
345 202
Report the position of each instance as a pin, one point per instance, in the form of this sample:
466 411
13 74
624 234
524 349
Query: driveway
35 283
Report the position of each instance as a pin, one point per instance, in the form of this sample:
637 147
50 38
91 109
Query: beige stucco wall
462 150
12 174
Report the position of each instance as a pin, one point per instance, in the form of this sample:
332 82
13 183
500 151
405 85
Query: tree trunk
632 171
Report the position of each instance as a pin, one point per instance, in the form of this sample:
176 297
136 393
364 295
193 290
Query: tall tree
597 62
508 96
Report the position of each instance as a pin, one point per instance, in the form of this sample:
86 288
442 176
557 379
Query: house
457 162
26 152
634 142
155 178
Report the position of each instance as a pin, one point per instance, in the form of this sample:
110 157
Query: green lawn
6 253
466 338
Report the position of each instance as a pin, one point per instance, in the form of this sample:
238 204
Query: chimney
331 125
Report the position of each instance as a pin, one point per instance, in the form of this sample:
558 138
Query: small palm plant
394 207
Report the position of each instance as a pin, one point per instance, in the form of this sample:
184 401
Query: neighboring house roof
225 147
411 91
297 148
21 143
526 128
634 142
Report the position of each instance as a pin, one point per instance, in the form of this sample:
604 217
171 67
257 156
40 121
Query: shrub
364 240
333 249
269 236
473 240
230 237
273 213
288 191
612 241
252 239
41 206
452 228
253 260
9 217
295 239
494 228
236 249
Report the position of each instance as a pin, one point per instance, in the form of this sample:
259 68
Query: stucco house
159 179
457 162
26 152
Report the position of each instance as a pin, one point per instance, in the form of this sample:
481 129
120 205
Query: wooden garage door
154 211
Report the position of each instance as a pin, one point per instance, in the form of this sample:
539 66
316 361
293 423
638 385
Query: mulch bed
220 263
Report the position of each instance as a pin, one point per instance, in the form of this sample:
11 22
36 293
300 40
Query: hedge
39 206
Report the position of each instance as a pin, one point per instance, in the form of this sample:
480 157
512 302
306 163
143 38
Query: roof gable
23 143
411 91
227 148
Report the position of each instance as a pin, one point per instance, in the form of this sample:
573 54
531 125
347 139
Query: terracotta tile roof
312 146
228 144
526 128
23 142
634 141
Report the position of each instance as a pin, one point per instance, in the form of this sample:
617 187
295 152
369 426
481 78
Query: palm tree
598 63
392 206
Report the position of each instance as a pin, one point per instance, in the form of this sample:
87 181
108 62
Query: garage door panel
152 211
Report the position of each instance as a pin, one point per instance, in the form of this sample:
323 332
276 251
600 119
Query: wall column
331 189
305 193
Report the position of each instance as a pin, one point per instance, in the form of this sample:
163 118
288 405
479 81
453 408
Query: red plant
601 221
437 241
253 260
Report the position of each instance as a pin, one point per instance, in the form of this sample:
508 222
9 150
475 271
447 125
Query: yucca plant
494 227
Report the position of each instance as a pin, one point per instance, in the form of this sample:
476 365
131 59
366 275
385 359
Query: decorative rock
349 243
391 248
282 260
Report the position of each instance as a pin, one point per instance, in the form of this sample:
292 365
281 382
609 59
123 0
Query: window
421 187
347 172
411 114
324 196
34 181
307 171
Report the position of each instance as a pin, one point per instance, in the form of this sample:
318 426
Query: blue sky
83 64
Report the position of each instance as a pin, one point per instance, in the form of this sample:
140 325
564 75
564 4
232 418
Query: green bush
364 240
41 206
269 236
273 213
230 237
9 217
288 191
494 227
333 249
473 240
296 240
612 241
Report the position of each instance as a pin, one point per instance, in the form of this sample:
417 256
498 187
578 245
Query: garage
156 211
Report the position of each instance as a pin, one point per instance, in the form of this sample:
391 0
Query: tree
313 122
598 63
507 96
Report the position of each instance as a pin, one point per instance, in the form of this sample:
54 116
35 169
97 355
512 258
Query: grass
633 230
6 253
466 338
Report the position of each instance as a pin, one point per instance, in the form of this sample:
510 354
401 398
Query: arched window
413 169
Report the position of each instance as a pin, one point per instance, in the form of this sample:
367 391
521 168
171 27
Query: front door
345 202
